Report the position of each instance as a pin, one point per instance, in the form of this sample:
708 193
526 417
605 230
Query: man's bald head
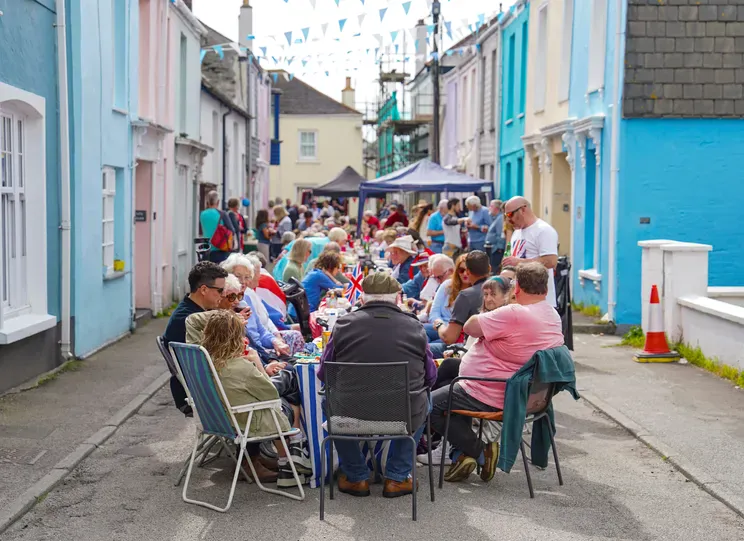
519 212
516 202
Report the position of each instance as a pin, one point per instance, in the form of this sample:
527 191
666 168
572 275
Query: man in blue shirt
479 220
412 288
435 228
495 241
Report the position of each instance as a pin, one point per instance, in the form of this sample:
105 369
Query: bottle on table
507 252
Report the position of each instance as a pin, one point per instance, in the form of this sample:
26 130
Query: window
182 73
13 212
597 45
472 107
463 111
482 100
541 63
494 88
565 77
182 231
523 69
108 177
508 192
254 85
510 78
520 176
119 48
308 146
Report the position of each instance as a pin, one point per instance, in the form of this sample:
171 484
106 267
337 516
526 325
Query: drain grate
27 457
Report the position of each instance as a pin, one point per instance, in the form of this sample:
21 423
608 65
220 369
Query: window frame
108 190
597 46
540 87
564 82
300 144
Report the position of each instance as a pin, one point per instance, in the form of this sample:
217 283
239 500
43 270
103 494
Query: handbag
222 239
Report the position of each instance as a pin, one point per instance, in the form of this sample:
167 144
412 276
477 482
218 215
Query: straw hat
406 243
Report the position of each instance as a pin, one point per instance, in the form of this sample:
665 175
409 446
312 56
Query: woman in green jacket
296 259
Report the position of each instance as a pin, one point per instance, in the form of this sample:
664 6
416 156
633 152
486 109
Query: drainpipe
65 210
224 158
615 159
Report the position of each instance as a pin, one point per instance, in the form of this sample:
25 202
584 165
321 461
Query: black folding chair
540 396
297 297
208 442
381 412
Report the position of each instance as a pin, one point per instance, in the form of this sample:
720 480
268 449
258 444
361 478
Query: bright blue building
673 172
29 193
514 36
103 79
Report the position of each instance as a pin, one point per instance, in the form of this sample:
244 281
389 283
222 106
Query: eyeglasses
219 290
512 213
462 270
232 297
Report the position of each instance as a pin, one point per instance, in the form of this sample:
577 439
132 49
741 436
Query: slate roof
299 98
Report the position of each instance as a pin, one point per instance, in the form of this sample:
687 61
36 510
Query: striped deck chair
207 396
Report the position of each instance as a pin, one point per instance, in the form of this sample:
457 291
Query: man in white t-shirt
533 240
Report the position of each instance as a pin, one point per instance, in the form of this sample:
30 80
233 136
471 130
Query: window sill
308 162
520 115
120 111
20 327
492 130
591 275
509 122
114 276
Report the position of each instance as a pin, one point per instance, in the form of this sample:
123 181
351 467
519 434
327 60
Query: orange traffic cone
656 349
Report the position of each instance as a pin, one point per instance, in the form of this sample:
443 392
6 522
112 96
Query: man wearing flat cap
376 333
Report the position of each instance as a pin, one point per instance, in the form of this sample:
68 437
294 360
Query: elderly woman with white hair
478 222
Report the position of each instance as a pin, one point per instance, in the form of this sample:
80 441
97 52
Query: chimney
246 24
348 96
188 4
420 45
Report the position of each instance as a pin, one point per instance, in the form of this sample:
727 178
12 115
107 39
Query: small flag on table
354 290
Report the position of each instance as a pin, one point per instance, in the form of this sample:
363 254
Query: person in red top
371 219
397 215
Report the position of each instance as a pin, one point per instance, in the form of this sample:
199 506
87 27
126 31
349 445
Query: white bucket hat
406 243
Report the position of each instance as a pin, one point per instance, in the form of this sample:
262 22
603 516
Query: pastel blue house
103 78
29 193
656 144
514 36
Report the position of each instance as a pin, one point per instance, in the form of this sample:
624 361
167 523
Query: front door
143 236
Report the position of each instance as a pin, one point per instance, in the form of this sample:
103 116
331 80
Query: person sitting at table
444 299
334 247
296 259
507 339
468 302
365 336
412 288
245 381
441 269
402 252
321 279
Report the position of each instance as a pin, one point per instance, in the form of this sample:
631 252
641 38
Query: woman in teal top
209 219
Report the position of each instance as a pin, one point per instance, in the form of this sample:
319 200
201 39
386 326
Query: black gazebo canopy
346 184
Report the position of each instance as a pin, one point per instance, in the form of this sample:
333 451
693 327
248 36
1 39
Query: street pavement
615 488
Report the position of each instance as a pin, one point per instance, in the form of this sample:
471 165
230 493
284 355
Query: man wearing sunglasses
533 240
206 285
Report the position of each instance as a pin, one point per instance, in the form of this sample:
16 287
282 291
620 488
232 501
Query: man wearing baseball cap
376 333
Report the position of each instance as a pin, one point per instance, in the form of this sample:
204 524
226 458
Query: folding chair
208 442
539 398
381 412
217 418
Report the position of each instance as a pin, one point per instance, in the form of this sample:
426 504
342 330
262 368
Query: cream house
319 137
548 128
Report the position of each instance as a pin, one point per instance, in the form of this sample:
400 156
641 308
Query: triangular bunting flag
362 2
448 27
429 29
304 63
396 48
288 35
416 45
250 37
203 54
289 61
263 50
306 32
285 75
235 47
361 19
406 7
275 76
291 76
450 52
393 35
382 13
378 37
338 2
324 27
326 74
275 60
219 51
341 23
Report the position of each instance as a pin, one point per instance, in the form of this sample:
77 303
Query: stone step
583 324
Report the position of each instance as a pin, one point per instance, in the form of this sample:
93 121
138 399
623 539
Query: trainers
300 455
286 478
436 457
491 453
460 469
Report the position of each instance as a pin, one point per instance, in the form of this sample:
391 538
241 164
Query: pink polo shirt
511 336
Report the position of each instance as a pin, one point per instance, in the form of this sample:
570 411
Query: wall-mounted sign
140 215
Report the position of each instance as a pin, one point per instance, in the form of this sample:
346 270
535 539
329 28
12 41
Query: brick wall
684 58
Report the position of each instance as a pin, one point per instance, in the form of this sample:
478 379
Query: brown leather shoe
269 463
360 489
264 475
396 489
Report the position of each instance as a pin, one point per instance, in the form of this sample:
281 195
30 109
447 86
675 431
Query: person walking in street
495 241
452 225
478 222
238 222
533 240
364 337
283 225
216 226
421 222
435 227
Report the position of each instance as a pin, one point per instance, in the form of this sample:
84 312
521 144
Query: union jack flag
354 290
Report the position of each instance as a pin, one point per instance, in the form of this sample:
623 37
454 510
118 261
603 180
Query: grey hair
441 261
392 298
213 197
337 235
238 260
473 200
288 237
254 260
442 204
497 202
232 284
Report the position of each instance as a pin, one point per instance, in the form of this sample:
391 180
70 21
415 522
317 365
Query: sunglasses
219 290
512 213
462 270
232 297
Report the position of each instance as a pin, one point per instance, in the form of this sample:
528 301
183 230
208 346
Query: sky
337 45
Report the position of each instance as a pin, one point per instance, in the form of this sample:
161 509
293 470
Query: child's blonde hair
223 337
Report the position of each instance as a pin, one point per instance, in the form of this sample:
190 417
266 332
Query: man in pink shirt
507 338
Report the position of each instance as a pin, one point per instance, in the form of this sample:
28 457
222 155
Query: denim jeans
399 462
436 247
431 333
437 349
